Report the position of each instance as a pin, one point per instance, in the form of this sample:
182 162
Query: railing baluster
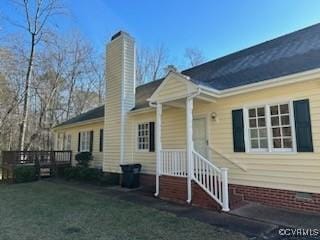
202 168
175 163
211 180
219 186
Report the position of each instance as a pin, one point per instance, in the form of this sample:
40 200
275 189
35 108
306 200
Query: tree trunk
24 123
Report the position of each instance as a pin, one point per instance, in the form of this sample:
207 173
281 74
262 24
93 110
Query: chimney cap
118 34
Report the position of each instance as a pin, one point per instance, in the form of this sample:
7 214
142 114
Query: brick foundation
276 197
148 180
175 189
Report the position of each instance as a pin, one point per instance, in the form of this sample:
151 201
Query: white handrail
228 159
211 179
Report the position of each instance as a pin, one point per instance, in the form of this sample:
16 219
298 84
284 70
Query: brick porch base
175 189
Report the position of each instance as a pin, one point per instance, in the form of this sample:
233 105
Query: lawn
45 210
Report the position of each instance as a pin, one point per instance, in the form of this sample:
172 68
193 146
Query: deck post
189 108
158 147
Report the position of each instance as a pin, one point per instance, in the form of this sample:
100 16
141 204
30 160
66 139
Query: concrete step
45 172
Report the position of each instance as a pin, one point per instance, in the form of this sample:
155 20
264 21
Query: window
85 141
68 143
269 128
281 127
143 136
258 128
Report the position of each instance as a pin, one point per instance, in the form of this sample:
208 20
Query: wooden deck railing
43 158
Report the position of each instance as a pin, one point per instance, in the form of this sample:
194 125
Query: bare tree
151 63
194 57
36 14
45 77
66 83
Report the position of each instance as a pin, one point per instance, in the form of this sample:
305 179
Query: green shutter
91 141
101 141
303 126
79 141
151 137
238 131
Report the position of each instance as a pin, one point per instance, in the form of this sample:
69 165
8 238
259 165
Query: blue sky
214 26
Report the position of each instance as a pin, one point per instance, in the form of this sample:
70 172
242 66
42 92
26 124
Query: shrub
90 175
83 158
82 174
26 173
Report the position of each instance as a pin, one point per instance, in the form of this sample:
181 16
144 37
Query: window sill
143 151
272 153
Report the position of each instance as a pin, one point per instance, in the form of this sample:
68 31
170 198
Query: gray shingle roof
145 91
94 113
292 53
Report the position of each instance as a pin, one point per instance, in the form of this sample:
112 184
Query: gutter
94 120
268 83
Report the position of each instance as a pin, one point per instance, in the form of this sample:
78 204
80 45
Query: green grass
44 210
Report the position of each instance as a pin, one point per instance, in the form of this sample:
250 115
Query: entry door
200 136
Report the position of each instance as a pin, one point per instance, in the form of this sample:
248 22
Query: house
245 126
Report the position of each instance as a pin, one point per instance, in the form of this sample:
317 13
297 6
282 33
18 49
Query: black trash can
130 175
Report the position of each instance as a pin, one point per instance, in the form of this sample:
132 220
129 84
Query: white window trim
270 149
137 137
87 141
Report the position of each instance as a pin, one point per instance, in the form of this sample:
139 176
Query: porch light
214 116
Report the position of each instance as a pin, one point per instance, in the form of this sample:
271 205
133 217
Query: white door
200 136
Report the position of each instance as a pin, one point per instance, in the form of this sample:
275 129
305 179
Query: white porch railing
173 162
213 180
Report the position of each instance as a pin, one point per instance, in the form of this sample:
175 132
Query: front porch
191 162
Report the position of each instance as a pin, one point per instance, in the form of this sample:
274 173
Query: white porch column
189 148
225 190
158 146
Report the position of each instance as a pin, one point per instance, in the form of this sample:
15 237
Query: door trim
206 119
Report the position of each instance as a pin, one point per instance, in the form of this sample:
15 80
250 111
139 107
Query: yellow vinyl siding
292 171
173 136
133 155
174 88
74 131
113 107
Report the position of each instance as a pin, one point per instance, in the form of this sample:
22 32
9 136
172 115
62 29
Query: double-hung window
85 141
281 127
143 137
270 128
258 128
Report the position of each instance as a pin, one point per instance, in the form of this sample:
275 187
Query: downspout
158 144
